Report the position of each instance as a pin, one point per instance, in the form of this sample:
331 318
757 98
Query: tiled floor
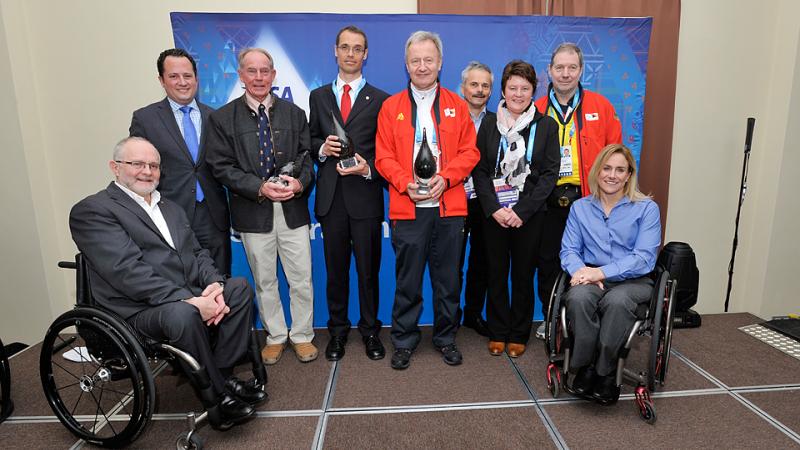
724 389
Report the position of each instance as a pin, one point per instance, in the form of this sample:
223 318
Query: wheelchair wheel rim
105 402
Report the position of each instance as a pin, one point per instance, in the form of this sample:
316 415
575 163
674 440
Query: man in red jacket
587 122
427 227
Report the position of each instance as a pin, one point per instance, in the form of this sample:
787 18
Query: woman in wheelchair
608 248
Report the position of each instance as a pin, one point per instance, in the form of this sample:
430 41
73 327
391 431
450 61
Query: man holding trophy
425 148
258 147
349 199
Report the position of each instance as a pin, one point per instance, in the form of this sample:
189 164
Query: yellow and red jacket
597 124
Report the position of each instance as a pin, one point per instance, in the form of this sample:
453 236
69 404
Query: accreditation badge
507 195
565 169
469 188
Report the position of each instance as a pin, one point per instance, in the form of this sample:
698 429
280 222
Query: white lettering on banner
286 95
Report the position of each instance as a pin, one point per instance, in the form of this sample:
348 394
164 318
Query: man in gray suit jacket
146 265
176 126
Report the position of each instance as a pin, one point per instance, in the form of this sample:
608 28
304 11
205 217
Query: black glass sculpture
424 165
288 170
347 156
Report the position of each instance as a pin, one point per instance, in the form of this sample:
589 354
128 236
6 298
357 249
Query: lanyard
504 146
418 132
353 92
566 119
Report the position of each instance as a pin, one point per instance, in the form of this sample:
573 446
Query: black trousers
477 279
218 243
343 236
435 242
511 250
555 220
179 324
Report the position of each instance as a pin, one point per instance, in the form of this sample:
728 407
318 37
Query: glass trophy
347 156
424 165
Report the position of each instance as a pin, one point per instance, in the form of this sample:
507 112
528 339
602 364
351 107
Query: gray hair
568 47
247 50
420 36
121 145
476 65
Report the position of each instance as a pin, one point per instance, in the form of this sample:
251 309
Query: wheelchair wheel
6 406
189 441
553 334
648 412
660 333
106 397
554 379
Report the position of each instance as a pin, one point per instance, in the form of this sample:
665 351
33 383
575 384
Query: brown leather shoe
496 347
270 354
305 351
515 350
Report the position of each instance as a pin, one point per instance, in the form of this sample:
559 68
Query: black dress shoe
451 355
245 392
335 349
584 383
374 347
606 391
477 324
233 411
401 358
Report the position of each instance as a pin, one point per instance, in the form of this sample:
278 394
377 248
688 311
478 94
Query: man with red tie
349 200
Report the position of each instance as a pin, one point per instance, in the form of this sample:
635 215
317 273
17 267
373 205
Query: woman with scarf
517 171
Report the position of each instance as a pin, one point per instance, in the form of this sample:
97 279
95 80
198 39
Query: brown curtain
659 108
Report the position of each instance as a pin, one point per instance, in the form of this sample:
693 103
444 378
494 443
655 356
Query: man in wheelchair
146 265
609 247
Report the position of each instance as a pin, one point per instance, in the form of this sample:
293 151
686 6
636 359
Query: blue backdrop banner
302 46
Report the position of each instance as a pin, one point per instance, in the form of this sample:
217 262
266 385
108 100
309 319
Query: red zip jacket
598 126
394 151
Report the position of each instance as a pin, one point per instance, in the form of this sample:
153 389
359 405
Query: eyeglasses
140 165
357 50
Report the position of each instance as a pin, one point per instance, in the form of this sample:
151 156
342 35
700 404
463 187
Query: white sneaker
540 331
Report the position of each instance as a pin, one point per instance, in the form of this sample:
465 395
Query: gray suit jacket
131 266
179 175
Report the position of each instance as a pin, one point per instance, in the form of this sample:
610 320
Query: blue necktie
190 137
265 142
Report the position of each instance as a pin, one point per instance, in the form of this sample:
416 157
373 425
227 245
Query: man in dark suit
349 202
476 87
251 141
146 265
176 127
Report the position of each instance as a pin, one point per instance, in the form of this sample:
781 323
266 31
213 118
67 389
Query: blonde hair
631 188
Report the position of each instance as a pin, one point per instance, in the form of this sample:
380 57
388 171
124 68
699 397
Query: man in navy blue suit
349 201
175 126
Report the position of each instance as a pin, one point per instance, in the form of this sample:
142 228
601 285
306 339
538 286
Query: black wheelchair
105 394
653 320
6 405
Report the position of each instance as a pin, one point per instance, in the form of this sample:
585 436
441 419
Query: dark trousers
511 250
436 242
477 280
218 243
343 236
179 324
555 220
602 319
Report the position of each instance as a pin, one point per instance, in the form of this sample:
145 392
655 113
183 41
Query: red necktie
346 103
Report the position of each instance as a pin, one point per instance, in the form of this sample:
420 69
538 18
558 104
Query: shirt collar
353 84
480 115
424 95
254 104
155 197
177 106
